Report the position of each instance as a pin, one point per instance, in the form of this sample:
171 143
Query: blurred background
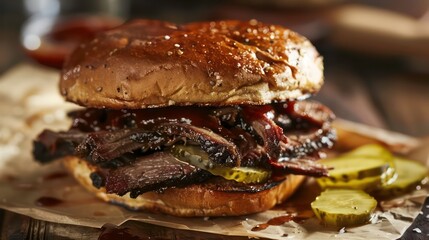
376 52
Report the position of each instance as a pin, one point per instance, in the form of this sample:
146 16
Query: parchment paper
29 102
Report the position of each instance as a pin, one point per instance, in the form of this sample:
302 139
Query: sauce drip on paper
55 175
297 208
276 221
48 201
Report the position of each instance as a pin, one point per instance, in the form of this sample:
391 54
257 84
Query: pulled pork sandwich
202 119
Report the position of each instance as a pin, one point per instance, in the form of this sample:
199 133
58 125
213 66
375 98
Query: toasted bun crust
194 200
147 63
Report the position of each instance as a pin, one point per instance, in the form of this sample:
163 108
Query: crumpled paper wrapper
30 102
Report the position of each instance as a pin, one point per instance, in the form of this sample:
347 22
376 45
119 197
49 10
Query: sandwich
200 119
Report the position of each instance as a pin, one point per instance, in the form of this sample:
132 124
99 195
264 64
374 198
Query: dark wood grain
19 227
404 100
346 94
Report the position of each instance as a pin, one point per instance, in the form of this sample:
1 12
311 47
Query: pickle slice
343 207
368 184
374 151
371 150
348 168
193 155
197 157
241 174
410 175
368 167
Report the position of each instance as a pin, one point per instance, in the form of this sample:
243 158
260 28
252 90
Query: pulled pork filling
131 148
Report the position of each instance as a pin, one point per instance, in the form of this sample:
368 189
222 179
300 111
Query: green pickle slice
343 207
199 158
371 150
410 175
368 184
367 168
355 167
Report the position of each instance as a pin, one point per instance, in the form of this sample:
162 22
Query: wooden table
390 93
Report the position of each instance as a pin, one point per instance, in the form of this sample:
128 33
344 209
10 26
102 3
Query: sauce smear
280 220
297 208
48 201
55 175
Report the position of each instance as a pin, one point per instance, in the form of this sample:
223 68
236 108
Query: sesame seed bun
148 63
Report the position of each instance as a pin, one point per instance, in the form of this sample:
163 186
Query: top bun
148 63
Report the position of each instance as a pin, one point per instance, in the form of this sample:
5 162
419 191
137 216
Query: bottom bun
192 200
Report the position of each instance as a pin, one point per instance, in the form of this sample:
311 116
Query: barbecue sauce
297 208
280 220
90 120
48 201
55 175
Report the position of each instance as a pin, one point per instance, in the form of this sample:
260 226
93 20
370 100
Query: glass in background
55 27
